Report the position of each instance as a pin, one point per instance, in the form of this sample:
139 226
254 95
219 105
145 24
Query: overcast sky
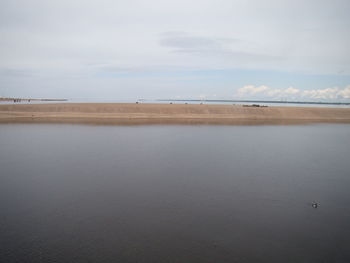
275 49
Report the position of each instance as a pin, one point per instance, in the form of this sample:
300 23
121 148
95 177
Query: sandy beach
130 114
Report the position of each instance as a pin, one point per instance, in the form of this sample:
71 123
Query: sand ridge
144 113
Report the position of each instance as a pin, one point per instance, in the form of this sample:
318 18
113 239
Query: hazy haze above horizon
296 50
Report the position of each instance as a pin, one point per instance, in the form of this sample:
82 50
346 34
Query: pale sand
128 114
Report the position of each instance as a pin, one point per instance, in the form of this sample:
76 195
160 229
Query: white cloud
44 43
206 34
252 90
345 93
263 91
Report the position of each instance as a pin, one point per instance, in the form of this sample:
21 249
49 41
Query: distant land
28 100
259 101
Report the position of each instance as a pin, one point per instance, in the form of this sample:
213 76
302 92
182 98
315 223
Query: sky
161 49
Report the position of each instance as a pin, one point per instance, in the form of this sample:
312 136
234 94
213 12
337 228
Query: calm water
71 193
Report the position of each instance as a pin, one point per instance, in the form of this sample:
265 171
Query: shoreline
19 100
190 114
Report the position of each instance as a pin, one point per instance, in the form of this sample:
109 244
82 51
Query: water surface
71 193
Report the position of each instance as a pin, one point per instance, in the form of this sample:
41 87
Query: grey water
74 193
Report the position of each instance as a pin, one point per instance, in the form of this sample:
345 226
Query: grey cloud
65 40
9 72
187 43
115 69
181 42
110 68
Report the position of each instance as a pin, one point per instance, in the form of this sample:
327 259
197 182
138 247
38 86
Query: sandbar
144 113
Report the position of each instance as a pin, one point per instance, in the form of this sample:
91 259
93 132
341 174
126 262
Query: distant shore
27 100
139 113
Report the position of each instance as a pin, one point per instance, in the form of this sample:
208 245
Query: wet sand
133 114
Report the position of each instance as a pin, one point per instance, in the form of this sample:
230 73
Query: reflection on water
71 193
